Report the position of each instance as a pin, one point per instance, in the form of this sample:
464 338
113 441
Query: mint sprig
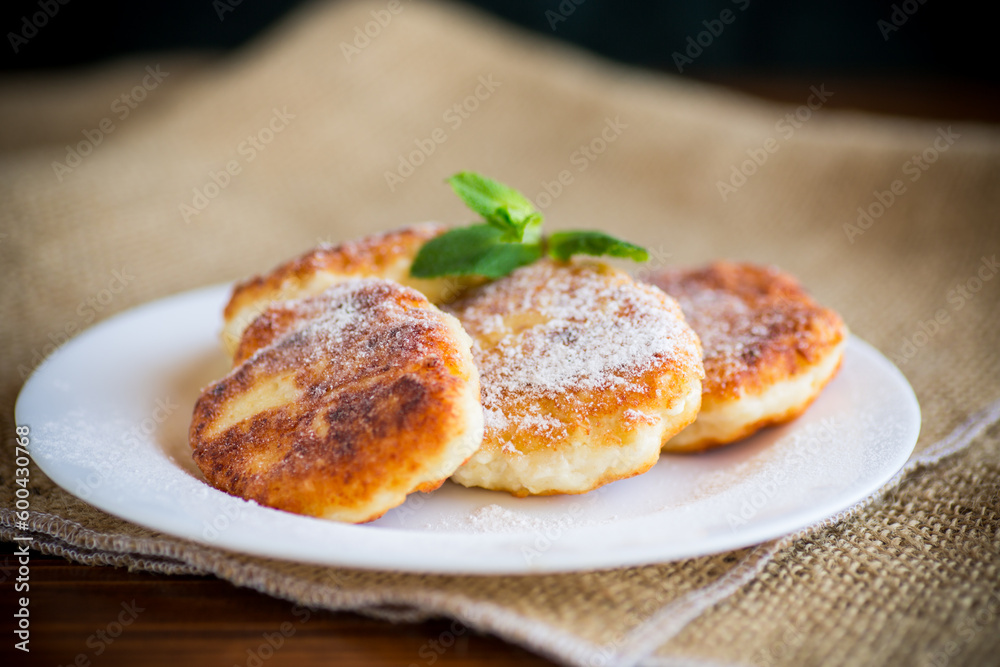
501 206
562 245
511 236
477 250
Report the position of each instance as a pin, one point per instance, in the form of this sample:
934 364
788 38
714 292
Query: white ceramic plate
109 414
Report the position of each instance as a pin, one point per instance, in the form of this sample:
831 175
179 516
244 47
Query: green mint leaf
501 206
477 250
509 237
562 245
532 232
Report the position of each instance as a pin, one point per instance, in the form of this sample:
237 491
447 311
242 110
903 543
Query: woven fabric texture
360 140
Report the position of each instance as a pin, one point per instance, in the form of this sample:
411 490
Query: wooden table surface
189 621
196 621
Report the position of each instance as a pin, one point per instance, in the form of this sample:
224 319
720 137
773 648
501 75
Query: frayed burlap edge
54 535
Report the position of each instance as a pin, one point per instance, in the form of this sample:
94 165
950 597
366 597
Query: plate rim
378 560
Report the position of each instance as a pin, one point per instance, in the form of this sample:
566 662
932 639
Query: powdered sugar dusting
377 320
551 332
731 332
497 520
741 312
118 373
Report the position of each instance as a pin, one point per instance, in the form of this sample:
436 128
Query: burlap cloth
909 578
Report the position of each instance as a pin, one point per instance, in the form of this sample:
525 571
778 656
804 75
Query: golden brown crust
757 325
749 428
278 319
553 361
349 403
368 256
387 255
583 371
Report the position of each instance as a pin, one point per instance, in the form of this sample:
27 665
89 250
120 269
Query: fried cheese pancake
387 255
584 373
769 348
351 400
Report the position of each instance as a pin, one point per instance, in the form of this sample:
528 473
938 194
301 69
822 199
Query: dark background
944 52
940 38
